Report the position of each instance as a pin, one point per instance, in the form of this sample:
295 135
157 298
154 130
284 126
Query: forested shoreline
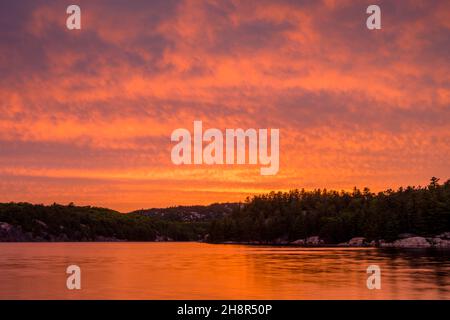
275 218
28 222
338 216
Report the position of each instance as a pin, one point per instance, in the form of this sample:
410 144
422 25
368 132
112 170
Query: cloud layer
86 116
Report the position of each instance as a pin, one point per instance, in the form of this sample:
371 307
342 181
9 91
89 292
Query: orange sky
86 116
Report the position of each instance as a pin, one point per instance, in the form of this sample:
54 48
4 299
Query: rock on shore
310 241
412 242
440 243
10 233
357 242
314 241
404 241
419 242
299 242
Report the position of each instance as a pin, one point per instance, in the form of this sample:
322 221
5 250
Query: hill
28 222
190 213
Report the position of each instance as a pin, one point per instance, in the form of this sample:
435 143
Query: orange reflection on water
204 271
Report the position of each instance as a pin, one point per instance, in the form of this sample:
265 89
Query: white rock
356 242
445 235
5 226
343 244
314 240
443 244
414 242
440 243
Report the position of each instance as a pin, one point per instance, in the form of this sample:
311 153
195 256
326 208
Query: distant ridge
196 213
407 217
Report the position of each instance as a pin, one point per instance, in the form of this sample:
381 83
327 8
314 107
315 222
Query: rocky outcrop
343 244
10 233
299 242
310 241
439 241
314 241
404 241
357 242
444 236
413 242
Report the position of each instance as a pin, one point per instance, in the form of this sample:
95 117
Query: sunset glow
86 116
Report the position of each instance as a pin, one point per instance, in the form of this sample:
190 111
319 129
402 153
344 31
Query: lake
191 270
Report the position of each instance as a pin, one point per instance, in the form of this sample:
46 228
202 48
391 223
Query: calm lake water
205 271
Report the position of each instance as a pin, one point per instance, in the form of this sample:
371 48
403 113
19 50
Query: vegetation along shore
411 217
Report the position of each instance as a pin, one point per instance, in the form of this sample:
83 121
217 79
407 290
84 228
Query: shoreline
11 233
287 245
441 241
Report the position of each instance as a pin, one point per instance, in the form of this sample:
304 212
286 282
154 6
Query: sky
86 115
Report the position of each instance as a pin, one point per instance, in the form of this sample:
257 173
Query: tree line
334 216
338 216
74 223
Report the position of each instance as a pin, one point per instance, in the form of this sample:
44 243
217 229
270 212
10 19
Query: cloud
91 111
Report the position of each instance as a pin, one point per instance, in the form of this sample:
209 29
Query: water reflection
203 271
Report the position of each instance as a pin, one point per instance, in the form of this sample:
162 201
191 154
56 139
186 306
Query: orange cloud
86 116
